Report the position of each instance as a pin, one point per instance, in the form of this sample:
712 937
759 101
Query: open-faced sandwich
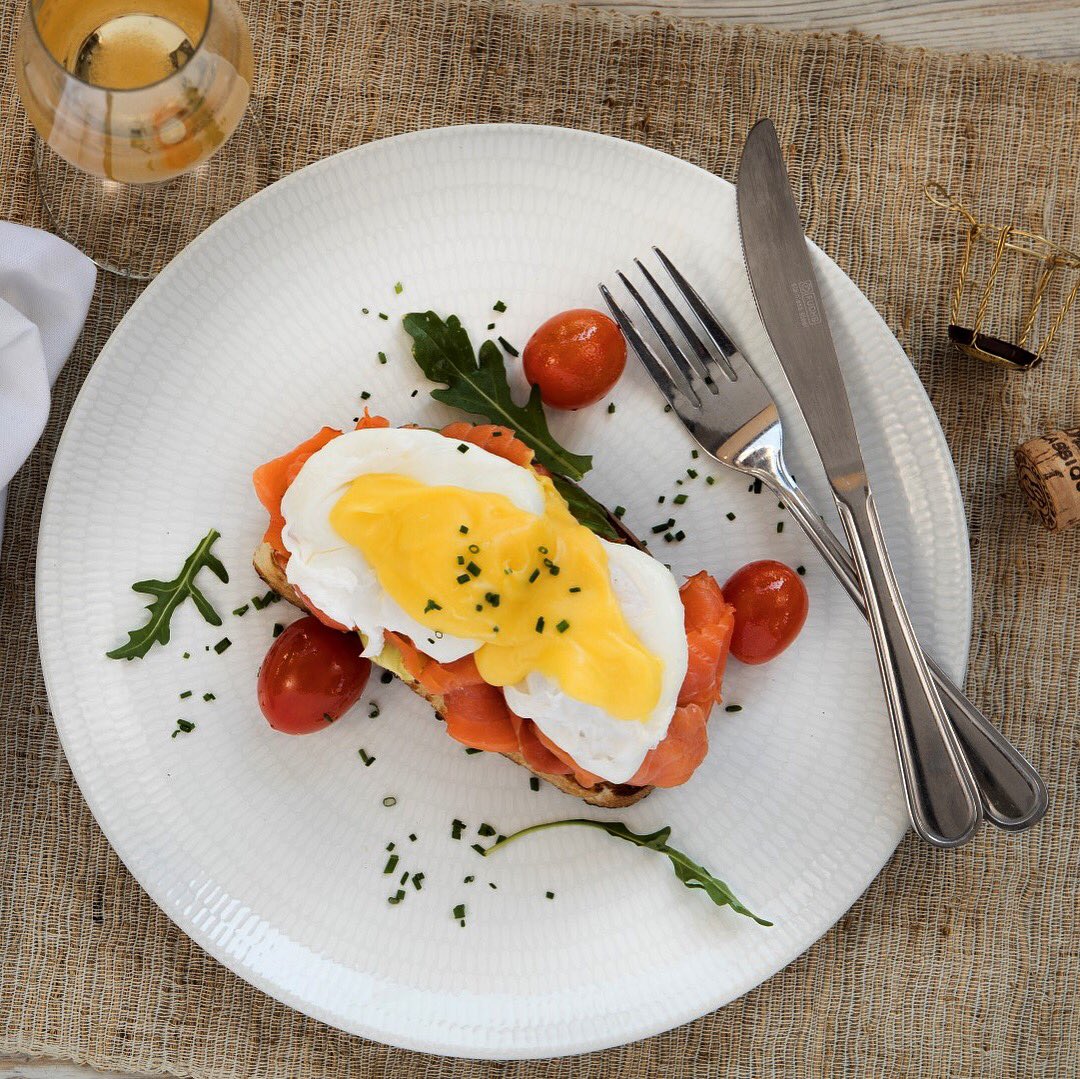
458 561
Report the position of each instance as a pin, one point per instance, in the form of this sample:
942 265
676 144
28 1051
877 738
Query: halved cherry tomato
311 676
575 358
770 604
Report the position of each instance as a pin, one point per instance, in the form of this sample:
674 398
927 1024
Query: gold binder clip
1055 259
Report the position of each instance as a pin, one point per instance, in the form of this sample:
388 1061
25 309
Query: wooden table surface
1043 29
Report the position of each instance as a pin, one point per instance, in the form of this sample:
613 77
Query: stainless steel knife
940 789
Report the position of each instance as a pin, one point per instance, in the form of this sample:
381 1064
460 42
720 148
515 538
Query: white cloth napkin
45 290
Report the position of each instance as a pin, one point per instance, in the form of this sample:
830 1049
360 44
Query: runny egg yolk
534 589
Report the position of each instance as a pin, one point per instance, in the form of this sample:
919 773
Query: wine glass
146 136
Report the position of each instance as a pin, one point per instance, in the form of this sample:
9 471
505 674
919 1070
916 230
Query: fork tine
708 320
683 373
701 357
650 361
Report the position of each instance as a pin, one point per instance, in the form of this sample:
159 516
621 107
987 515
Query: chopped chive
611 408
779 505
730 516
532 576
327 718
619 511
661 500
534 783
462 448
399 288
667 408
469 879
486 830
279 629
694 454
463 529
222 645
553 569
366 758
209 697
576 588
456 827
494 629
498 306
459 911
472 750
389 801
663 527
678 483
779 526
404 877
187 655
463 578
396 898
365 311
184 726
432 606
412 837
668 537
509 347
491 325
563 626
543 550
479 606
692 473
492 598
800 570
184 696
418 881
680 499
389 846
756 487
414 393
549 895
680 536
492 885
479 849
374 712
384 316
474 548
461 560
391 865
364 395
733 708
473 568
710 480
386 678
540 624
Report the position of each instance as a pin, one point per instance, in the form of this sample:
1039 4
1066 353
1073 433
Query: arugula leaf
168 595
478 384
690 873
585 508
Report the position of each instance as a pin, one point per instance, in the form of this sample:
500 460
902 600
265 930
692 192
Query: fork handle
1013 794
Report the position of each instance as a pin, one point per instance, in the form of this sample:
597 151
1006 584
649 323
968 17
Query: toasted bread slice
604 795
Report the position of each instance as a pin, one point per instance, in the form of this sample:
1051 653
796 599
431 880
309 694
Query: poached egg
467 553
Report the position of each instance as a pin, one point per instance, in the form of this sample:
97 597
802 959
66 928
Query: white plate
268 850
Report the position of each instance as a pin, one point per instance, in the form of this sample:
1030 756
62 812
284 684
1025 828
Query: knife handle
939 787
1013 794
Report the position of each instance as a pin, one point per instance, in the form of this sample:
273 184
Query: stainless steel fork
737 423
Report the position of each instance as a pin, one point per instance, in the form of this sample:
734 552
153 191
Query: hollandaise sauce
535 589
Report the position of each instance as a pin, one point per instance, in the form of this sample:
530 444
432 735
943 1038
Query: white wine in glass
134 101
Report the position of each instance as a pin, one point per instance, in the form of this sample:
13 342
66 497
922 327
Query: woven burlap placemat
961 964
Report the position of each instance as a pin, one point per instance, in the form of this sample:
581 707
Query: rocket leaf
168 595
689 873
478 384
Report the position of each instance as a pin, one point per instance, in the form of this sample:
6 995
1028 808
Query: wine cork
1048 470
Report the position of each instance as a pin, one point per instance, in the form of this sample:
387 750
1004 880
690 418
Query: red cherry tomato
770 604
311 676
575 358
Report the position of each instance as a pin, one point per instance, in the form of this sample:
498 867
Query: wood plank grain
1043 29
